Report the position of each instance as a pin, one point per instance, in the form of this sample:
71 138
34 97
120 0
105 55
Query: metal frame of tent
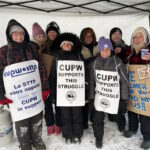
82 5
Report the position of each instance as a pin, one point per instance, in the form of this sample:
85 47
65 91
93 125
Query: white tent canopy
127 15
80 6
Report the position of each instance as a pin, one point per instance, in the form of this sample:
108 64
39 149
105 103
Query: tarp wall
101 24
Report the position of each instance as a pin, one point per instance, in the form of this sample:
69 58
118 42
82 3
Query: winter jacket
123 47
132 58
15 52
109 65
74 54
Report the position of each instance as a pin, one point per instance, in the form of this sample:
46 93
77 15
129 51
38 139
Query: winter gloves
45 94
5 101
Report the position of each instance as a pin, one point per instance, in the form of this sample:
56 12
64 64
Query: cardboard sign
23 85
107 91
70 83
139 91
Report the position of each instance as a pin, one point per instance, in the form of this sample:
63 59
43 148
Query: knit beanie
52 26
104 43
15 28
113 30
36 30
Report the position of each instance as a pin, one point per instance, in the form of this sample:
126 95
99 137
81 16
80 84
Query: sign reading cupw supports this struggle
70 83
107 91
139 92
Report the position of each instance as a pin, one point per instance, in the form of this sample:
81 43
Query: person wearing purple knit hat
105 92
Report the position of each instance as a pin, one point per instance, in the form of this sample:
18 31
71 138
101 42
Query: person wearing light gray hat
15 28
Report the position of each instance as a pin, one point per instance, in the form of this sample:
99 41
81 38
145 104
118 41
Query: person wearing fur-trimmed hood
67 46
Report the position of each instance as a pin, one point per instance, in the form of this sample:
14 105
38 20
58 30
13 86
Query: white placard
70 83
107 91
23 85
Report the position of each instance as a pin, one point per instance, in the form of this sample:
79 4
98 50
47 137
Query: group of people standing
102 60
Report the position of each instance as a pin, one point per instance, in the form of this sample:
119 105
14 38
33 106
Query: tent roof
80 6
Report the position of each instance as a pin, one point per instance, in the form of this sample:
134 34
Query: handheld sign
23 85
70 83
107 91
139 91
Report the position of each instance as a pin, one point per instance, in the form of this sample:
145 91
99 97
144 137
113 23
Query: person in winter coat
119 47
67 47
117 42
110 64
39 38
89 52
53 120
20 50
139 40
52 31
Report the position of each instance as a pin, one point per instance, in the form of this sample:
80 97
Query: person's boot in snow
76 140
68 140
129 133
40 146
50 130
98 144
145 145
57 130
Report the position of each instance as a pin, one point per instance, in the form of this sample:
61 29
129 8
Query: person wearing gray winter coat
107 61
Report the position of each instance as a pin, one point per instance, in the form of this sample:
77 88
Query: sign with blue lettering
139 91
70 83
107 91
23 85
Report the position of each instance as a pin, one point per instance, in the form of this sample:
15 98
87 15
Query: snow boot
76 140
40 145
68 140
145 145
98 144
57 130
50 130
129 133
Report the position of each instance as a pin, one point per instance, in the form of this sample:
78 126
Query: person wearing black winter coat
119 47
67 46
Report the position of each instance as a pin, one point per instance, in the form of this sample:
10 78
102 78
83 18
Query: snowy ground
113 140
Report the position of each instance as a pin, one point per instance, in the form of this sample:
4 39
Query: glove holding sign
45 94
5 101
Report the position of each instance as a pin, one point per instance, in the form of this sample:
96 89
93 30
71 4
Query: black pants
119 118
98 124
87 112
135 119
72 124
50 117
29 131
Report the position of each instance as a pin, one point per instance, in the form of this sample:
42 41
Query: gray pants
29 131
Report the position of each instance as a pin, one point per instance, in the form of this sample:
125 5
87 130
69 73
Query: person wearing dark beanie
52 114
117 42
52 31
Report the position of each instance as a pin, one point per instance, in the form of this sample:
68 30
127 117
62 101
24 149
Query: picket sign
107 91
139 91
23 85
70 83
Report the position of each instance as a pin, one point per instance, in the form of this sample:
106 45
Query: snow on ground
113 140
